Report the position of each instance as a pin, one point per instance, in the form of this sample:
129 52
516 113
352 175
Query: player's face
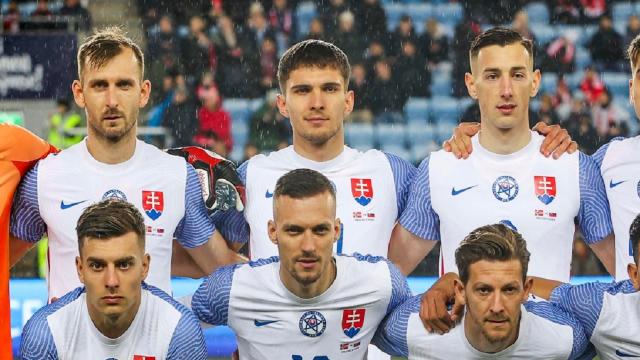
493 296
634 88
112 271
503 80
112 96
316 101
304 231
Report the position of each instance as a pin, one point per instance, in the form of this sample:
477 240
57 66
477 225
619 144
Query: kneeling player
115 315
499 323
305 303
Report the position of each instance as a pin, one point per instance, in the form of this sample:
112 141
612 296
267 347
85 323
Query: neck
319 152
109 152
478 340
505 141
316 288
113 326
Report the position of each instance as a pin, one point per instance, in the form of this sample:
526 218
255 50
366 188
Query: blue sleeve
598 156
553 313
242 172
37 342
210 303
232 224
26 222
391 336
196 227
419 217
400 291
187 341
403 173
594 216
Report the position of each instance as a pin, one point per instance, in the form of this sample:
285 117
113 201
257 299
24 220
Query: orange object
19 151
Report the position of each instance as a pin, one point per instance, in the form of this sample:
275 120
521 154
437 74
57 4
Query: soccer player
19 150
115 315
112 163
306 303
499 322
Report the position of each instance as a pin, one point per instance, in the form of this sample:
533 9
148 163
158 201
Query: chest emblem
352 321
545 188
312 324
362 190
114 194
505 188
153 203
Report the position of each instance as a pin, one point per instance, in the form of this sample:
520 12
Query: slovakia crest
362 191
153 203
352 321
545 188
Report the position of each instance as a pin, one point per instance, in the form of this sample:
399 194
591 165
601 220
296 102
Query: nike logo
260 323
623 354
268 194
612 184
64 206
455 192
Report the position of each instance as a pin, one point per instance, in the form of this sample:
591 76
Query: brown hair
499 36
103 46
633 51
493 243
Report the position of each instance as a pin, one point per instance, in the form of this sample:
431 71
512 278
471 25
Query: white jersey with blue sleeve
270 322
161 329
451 197
609 313
371 189
619 165
546 332
163 187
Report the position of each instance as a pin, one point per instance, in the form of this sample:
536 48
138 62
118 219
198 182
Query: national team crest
505 188
312 324
352 321
362 190
545 188
153 203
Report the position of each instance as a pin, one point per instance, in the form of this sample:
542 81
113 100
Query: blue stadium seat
236 154
359 136
419 12
238 108
420 151
444 131
441 84
544 34
573 80
391 134
538 13
549 82
417 108
398 150
449 13
621 11
586 33
583 58
444 107
394 11
239 133
305 12
617 83
420 134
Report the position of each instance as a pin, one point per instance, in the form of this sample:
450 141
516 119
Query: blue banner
37 66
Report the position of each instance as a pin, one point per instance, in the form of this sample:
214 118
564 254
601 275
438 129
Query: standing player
19 150
115 315
306 303
499 323
112 163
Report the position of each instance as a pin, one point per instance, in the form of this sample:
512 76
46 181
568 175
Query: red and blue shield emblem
545 188
153 203
352 321
362 190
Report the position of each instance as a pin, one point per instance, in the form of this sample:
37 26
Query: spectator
359 84
387 95
607 114
373 19
329 13
374 53
633 29
11 18
284 22
520 24
434 44
465 32
316 30
258 25
269 130
404 32
73 8
163 50
411 71
347 38
581 129
211 141
197 50
562 99
560 56
591 85
564 11
606 47
592 10
213 118
61 122
547 113
42 9
268 64
181 116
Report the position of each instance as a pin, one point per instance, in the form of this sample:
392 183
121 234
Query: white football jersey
609 313
161 329
537 196
270 322
163 187
371 189
546 332
620 168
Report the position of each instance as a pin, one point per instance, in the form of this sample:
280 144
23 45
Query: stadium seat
391 134
305 12
444 107
617 83
417 108
548 83
586 33
394 11
583 58
398 150
573 80
419 12
441 84
239 133
420 151
238 108
544 34
359 136
420 134
538 13
449 13
621 11
444 131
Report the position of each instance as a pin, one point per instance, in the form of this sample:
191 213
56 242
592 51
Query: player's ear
470 82
79 269
631 90
272 232
535 86
528 284
146 261
337 229
145 92
632 270
78 95
349 101
281 102
458 288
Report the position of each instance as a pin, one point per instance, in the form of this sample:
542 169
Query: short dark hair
634 237
312 53
500 36
495 242
633 51
103 46
303 183
108 219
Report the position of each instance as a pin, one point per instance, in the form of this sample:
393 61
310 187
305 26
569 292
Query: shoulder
39 319
615 151
166 298
17 143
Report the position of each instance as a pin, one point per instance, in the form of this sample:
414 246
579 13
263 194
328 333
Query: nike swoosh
623 354
455 192
268 194
612 184
64 206
260 323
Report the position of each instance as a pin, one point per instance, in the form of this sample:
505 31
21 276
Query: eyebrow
306 86
495 69
125 81
117 261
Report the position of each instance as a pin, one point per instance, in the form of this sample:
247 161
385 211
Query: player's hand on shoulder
221 185
434 311
557 140
460 142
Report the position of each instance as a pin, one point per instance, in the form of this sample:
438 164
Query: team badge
509 224
362 191
545 188
505 188
352 321
312 324
143 357
153 203
114 194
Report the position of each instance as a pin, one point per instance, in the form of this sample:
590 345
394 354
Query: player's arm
391 335
594 215
17 249
37 342
543 287
210 303
407 250
26 223
557 140
187 341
